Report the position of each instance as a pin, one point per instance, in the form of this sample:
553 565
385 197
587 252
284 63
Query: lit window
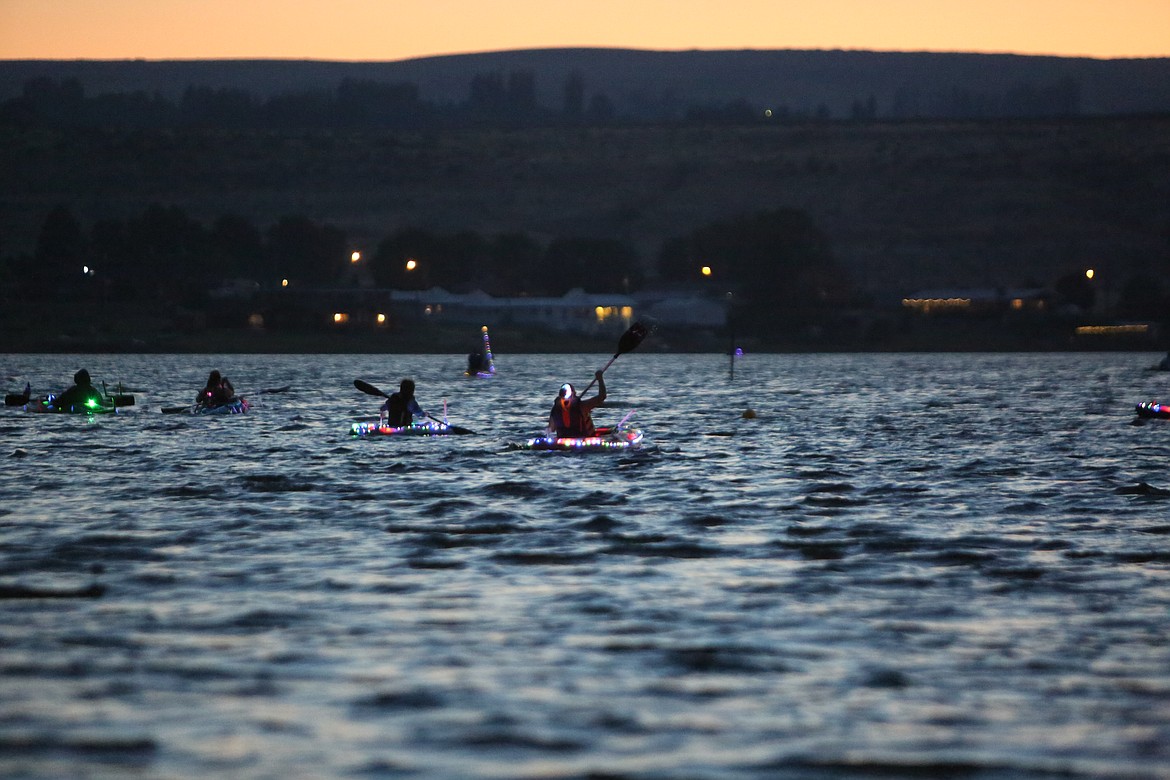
341 318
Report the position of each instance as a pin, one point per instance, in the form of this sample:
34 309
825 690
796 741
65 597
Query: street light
355 256
411 264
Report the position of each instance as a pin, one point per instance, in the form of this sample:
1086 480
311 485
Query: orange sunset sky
392 30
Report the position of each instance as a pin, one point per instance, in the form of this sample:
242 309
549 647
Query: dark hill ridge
905 205
662 85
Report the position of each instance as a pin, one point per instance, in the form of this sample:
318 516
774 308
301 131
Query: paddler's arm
600 397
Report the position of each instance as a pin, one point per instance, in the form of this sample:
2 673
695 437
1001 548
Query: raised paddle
628 342
369 389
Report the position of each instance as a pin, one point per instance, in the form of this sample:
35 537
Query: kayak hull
375 428
45 406
1154 410
235 406
606 440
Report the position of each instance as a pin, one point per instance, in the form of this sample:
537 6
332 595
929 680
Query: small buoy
749 414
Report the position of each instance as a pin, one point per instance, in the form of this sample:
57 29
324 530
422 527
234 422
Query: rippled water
940 565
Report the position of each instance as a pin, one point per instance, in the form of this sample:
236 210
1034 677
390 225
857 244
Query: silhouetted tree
513 266
376 103
305 252
1076 289
777 263
452 262
236 250
574 96
593 264
218 107
60 255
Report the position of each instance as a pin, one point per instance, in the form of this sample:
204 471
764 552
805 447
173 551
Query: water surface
942 565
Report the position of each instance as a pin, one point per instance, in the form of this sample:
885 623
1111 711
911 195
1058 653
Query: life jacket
570 420
214 395
398 412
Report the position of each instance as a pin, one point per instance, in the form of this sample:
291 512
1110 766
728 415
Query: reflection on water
927 564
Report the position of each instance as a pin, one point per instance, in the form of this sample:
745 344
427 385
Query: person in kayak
82 394
217 392
400 407
571 417
476 362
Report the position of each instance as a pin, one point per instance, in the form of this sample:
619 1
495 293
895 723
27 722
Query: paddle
369 389
629 341
120 398
18 399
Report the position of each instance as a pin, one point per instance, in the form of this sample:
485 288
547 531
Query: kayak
238 405
45 406
235 406
482 365
1153 409
424 428
606 440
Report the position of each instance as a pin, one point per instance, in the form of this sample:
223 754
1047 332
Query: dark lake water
926 565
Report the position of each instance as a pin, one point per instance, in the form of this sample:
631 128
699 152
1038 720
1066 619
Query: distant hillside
904 205
645 85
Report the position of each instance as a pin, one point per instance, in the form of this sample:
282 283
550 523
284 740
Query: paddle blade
632 338
368 389
455 429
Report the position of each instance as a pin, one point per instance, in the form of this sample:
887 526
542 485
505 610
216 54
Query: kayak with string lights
605 440
1153 409
46 405
421 428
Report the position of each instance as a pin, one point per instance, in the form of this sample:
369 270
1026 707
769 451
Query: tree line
772 260
494 99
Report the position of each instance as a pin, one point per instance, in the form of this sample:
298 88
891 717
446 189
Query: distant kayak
424 428
606 440
1153 409
480 363
45 405
238 405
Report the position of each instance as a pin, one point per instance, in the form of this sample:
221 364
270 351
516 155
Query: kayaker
571 417
400 407
475 362
82 394
217 392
